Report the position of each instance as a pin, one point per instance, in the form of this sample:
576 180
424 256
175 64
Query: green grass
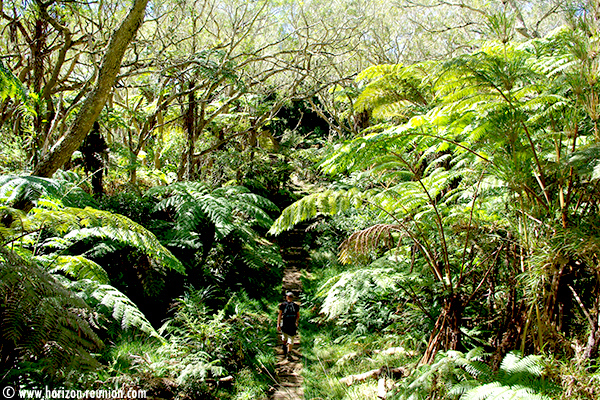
332 352
329 357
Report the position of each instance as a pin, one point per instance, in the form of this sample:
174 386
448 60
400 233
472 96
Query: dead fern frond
361 243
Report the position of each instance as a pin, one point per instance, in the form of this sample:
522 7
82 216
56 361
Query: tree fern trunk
446 334
591 348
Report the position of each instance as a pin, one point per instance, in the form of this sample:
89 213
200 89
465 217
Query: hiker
287 323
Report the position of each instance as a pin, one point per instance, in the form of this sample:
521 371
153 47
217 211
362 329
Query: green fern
62 228
394 90
342 292
42 323
329 202
107 299
223 207
518 378
76 224
23 192
10 86
74 267
438 379
258 252
209 219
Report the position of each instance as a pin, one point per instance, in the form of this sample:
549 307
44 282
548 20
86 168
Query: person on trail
287 323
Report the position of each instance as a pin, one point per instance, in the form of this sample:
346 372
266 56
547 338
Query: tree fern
341 292
107 299
10 86
518 378
76 224
394 90
74 267
50 230
193 201
362 242
393 203
42 322
257 252
447 371
206 222
328 202
24 191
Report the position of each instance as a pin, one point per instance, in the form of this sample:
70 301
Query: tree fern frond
518 378
257 255
361 243
107 298
585 161
342 292
544 101
361 153
329 202
41 321
219 213
119 227
253 206
145 242
377 71
60 220
17 223
513 363
488 391
497 391
193 201
21 191
75 267
10 85
255 215
78 224
394 91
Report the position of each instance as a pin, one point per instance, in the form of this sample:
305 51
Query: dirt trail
289 373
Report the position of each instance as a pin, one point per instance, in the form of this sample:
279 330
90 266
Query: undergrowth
339 345
204 353
334 349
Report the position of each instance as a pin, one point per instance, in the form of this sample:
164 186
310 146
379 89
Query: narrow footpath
289 373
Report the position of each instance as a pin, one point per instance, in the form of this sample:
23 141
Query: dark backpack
290 312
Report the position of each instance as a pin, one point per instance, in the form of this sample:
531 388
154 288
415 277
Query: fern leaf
514 364
329 202
42 321
10 85
119 306
18 191
343 291
103 224
377 71
75 267
362 242
193 201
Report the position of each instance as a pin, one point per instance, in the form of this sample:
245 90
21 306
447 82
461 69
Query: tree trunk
95 101
446 335
591 348
187 161
37 54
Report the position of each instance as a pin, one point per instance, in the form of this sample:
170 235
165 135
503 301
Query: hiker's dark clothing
289 316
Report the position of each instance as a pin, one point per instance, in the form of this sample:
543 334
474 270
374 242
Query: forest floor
289 372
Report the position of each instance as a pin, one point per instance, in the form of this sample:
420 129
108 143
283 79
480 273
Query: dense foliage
442 156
